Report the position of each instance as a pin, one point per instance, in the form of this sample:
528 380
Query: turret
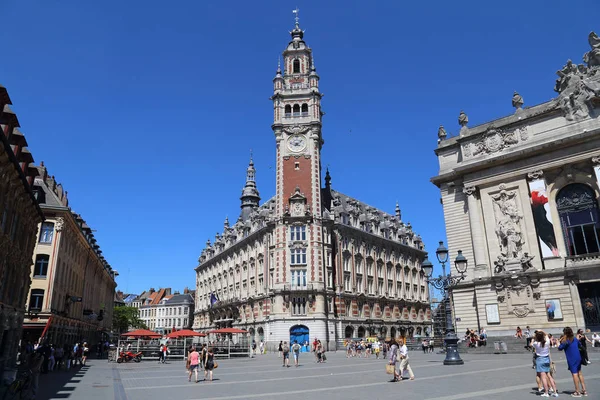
250 197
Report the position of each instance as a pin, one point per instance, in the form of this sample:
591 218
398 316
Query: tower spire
297 18
250 197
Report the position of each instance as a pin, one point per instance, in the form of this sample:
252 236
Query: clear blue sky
146 110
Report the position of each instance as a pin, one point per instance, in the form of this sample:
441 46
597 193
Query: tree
125 317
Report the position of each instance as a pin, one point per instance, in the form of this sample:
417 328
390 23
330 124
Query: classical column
596 163
476 222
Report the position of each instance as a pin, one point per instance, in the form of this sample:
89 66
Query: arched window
36 300
288 111
304 110
296 66
578 210
296 110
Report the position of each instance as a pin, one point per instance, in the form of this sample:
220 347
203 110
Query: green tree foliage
125 317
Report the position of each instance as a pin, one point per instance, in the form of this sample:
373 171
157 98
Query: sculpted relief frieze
493 141
508 224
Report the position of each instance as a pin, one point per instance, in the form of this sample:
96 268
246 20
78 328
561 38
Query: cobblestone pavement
491 376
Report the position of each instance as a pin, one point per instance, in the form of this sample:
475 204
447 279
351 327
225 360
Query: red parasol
142 333
185 333
228 330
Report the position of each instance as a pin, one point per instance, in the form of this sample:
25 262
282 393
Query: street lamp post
446 283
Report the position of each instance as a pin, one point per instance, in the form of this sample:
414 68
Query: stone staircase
513 346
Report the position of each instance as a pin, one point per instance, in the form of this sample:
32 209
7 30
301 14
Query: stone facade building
311 261
71 297
164 312
520 198
19 218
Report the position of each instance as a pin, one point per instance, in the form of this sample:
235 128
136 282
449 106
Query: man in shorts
286 354
296 351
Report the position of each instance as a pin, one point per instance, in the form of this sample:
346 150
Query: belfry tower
297 127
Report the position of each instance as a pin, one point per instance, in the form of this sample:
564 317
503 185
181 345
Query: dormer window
296 66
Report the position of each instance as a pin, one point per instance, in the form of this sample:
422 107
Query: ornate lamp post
446 283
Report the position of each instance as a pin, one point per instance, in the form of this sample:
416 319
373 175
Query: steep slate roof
180 299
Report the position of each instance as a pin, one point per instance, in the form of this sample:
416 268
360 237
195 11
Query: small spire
398 214
442 133
226 224
279 65
327 178
297 18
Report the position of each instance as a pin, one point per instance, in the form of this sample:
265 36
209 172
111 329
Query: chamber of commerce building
520 198
310 262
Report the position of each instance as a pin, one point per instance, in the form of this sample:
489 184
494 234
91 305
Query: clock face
296 143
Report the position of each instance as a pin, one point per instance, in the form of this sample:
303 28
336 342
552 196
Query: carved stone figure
442 133
526 261
517 100
592 57
500 265
463 119
508 226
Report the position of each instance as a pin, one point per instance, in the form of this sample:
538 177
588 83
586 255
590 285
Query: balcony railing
296 115
297 288
583 260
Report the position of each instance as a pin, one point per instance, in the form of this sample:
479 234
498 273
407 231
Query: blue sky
146 111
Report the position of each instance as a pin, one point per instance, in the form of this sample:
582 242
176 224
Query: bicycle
20 387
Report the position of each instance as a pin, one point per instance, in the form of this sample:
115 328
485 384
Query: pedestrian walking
51 359
261 347
286 355
431 345
280 349
193 360
296 352
393 357
570 344
583 341
404 364
377 348
209 364
541 347
85 352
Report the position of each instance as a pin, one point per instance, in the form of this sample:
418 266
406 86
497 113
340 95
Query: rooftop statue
442 133
592 57
517 100
463 119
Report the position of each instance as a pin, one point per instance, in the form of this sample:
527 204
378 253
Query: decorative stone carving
469 190
500 265
508 226
535 175
60 223
517 101
442 133
463 119
296 129
526 261
521 311
579 85
493 141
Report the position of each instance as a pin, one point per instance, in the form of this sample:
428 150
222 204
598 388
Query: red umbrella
228 330
185 333
142 333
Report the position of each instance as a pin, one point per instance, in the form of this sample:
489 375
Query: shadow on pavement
53 385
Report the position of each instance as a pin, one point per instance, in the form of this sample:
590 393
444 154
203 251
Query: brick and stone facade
311 261
19 219
520 199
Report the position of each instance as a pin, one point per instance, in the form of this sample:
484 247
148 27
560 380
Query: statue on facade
508 227
592 57
500 265
463 119
442 133
517 100
526 261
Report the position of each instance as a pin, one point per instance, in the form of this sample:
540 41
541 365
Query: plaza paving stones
491 377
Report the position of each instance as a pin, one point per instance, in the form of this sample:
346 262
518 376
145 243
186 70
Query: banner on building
542 218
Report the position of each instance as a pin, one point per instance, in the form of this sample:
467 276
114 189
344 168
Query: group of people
427 345
56 357
475 339
296 348
203 359
360 348
575 348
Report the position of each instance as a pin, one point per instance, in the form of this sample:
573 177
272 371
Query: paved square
490 376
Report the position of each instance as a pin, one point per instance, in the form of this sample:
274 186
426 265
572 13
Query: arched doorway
402 331
361 331
383 332
251 333
393 333
349 332
300 334
261 334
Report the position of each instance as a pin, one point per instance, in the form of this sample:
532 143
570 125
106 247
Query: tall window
288 111
296 110
298 233
359 286
578 211
347 283
298 256
298 306
47 232
299 277
296 66
36 300
41 266
304 110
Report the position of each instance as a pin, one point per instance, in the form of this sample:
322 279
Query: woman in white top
541 346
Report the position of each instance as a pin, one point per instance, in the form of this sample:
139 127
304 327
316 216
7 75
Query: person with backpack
286 355
296 351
